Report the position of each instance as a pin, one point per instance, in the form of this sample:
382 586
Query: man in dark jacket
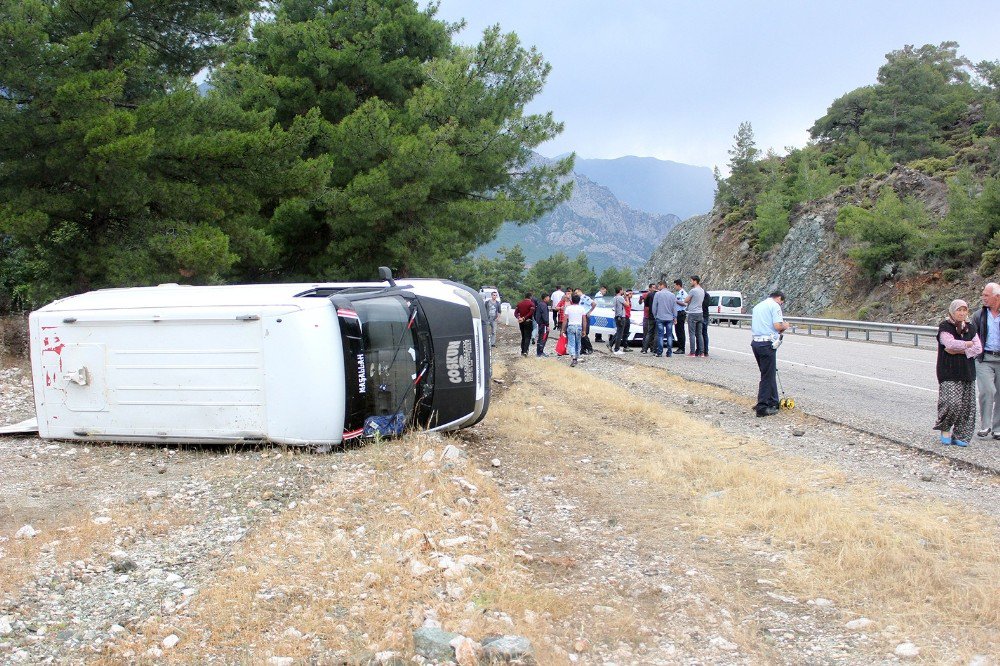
987 322
542 321
648 323
524 314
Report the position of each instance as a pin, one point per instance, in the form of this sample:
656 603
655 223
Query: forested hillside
338 135
901 180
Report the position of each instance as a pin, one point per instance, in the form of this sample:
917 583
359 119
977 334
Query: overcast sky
673 79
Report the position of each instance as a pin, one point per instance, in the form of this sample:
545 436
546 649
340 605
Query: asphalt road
887 390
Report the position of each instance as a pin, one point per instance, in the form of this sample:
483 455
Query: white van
721 303
297 364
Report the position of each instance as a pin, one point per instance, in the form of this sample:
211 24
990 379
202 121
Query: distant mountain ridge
653 185
593 221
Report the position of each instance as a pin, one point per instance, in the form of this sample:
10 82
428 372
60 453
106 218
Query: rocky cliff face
593 221
811 265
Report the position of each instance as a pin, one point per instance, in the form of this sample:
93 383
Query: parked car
602 319
298 364
721 303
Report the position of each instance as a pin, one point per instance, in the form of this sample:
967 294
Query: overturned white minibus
297 364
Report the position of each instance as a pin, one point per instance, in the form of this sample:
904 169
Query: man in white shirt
987 322
555 304
573 320
766 327
679 339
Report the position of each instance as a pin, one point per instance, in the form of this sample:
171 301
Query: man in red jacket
524 313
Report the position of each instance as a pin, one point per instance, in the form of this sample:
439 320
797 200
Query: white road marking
839 372
913 360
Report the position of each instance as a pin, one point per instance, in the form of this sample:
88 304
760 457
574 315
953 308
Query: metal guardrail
845 325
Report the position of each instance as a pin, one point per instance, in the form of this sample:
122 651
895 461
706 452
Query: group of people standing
568 312
665 313
968 361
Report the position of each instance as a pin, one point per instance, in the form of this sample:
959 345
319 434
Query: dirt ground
634 520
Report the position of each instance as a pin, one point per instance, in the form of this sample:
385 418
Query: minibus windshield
389 367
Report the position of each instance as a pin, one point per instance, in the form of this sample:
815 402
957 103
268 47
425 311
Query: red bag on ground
561 345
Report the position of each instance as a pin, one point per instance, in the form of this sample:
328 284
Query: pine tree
115 171
744 176
429 142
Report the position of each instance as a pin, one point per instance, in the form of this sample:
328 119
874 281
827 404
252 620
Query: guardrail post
868 336
890 337
847 334
916 340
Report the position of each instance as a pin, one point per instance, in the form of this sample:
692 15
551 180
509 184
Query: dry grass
928 568
334 575
76 537
647 376
67 539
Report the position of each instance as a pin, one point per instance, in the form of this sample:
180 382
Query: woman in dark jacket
958 346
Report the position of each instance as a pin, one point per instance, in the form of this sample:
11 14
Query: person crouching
958 346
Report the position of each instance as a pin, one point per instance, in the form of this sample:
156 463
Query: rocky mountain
594 221
812 265
653 185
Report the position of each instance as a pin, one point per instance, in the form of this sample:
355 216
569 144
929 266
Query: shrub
933 166
990 262
952 274
887 234
771 225
871 311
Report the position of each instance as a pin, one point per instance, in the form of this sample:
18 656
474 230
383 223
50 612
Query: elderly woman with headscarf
958 346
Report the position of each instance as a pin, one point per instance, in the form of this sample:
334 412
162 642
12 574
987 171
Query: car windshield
731 301
390 355
713 300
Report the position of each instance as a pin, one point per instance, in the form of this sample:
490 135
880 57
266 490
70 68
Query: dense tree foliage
429 142
505 271
561 270
771 219
340 135
888 233
932 110
509 273
612 277
917 109
115 171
